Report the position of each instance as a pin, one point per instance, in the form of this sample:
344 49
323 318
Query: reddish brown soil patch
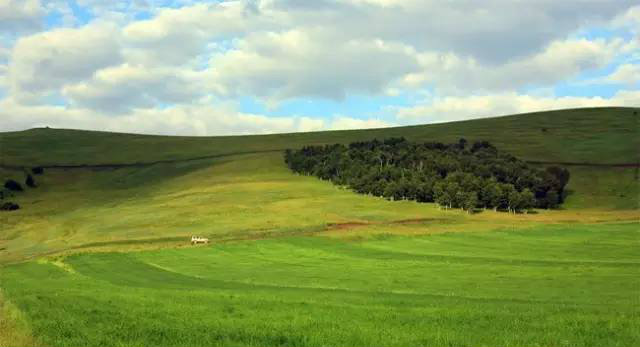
347 225
351 225
411 221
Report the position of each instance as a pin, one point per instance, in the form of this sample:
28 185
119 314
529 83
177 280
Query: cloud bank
261 66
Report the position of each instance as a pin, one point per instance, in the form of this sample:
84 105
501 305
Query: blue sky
263 66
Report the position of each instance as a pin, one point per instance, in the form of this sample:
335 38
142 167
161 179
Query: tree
378 187
509 197
485 148
561 178
13 185
452 189
29 181
9 206
424 192
459 199
445 173
514 201
491 193
527 199
470 201
391 191
441 194
551 199
462 143
409 188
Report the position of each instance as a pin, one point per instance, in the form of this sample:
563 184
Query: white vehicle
197 239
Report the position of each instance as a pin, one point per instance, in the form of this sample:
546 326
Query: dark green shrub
13 185
29 181
38 170
9 206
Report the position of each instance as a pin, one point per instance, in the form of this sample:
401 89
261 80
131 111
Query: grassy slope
234 197
255 196
556 285
244 195
15 331
597 135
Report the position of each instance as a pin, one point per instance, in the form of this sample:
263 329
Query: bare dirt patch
412 221
355 224
347 225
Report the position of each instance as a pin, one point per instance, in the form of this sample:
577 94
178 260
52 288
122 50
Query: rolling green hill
228 193
594 135
293 253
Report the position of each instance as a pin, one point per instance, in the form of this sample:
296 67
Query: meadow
554 285
99 256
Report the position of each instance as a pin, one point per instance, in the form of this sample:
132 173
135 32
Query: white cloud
177 120
491 32
20 15
443 109
121 88
198 119
342 123
190 28
629 19
46 61
4 55
63 11
292 64
628 74
557 62
310 124
119 73
3 77
627 98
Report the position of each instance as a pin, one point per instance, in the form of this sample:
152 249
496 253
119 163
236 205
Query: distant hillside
590 135
130 201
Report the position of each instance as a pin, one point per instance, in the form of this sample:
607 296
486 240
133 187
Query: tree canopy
13 185
455 175
29 181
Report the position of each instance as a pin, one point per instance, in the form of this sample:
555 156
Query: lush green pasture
594 135
545 286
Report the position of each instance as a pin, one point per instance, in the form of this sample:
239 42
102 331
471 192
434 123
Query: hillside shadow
68 189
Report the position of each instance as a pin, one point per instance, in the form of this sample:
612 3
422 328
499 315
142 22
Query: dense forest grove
455 175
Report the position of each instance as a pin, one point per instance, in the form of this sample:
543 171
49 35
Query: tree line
457 175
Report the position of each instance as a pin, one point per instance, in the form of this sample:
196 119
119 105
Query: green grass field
554 285
100 256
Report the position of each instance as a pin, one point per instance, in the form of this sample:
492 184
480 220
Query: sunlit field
552 285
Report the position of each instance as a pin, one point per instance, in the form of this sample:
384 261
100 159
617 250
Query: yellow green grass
14 329
245 196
